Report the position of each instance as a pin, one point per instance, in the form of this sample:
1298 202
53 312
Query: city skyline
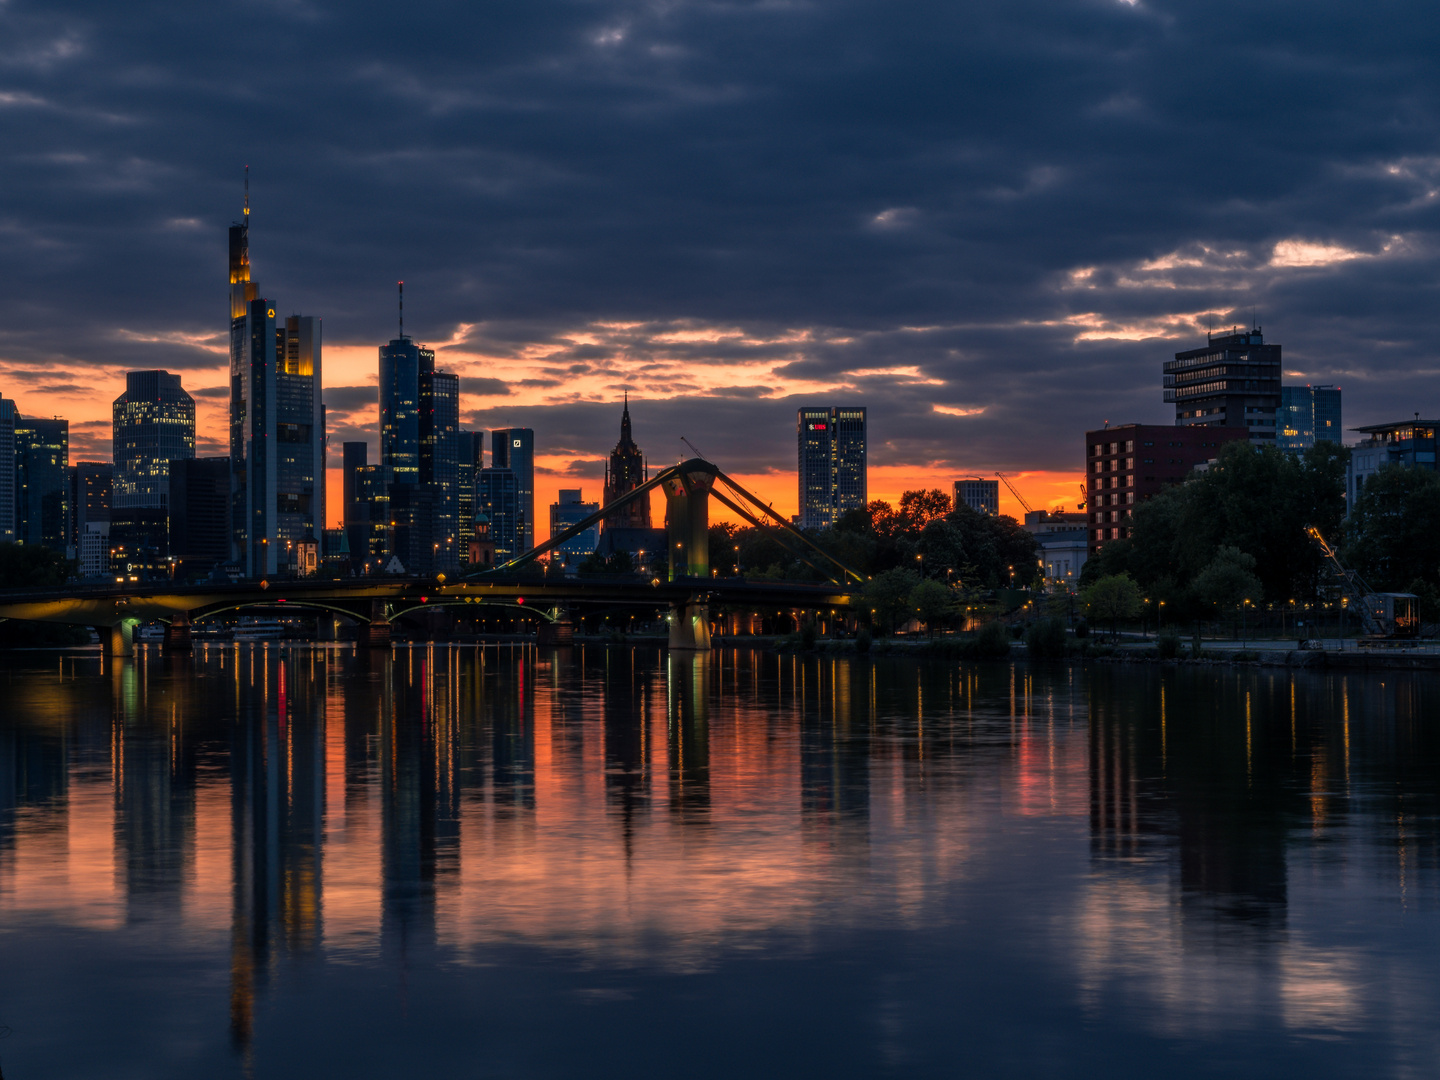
729 213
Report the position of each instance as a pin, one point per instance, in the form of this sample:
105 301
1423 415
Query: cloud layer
989 223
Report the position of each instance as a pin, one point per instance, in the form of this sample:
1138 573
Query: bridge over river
687 588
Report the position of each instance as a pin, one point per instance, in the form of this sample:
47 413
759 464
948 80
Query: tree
1393 535
25 566
1115 597
888 595
1229 580
932 603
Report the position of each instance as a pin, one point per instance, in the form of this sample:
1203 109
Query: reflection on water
277 861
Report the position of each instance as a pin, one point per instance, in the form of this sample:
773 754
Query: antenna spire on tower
247 194
402 309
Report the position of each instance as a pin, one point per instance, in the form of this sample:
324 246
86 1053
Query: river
505 861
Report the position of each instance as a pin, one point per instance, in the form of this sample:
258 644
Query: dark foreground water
610 862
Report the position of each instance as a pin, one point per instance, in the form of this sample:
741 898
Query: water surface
291 862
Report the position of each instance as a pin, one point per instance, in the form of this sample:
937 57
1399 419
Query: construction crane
1028 508
1382 614
1084 495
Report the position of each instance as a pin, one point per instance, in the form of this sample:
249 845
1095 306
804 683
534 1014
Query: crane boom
1028 508
1382 614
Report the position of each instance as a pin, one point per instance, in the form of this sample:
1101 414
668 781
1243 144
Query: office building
625 472
90 493
497 496
570 508
153 425
373 553
1409 444
199 515
8 414
469 459
440 455
979 495
1062 555
832 464
1125 465
355 508
277 423
413 538
514 449
42 484
400 365
1233 381
1308 414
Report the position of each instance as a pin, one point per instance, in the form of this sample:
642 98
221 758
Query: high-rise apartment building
832 464
1308 414
8 414
514 449
1233 381
42 483
979 495
277 422
625 472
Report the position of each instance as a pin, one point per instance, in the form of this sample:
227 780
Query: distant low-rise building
1126 465
1062 555
570 508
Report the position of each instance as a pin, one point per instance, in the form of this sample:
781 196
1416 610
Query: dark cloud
1031 204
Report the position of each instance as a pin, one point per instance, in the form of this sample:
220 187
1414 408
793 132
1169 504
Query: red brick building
1126 465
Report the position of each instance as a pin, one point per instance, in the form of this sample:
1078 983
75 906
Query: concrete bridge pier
559 632
377 630
118 640
177 634
690 627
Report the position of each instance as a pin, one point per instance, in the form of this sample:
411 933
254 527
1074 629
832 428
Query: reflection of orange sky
85 399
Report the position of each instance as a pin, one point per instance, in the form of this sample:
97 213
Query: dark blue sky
1010 212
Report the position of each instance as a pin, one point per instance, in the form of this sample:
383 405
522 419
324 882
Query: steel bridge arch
310 605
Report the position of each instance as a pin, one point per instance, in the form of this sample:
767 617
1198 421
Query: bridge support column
177 634
690 627
559 632
377 630
118 640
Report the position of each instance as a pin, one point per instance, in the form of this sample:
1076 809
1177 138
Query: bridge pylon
376 634
687 517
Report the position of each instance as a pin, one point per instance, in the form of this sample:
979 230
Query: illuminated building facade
1308 414
8 414
469 459
514 449
440 456
497 496
1125 465
832 464
570 508
1231 382
277 423
1407 444
154 424
625 472
400 366
42 484
980 495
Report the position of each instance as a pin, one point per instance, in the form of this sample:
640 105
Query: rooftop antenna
402 309
247 194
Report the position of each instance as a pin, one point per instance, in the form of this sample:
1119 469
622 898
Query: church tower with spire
626 472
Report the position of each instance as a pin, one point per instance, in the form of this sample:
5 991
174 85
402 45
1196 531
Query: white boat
259 630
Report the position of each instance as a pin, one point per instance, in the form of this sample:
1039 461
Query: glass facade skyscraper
42 483
1308 414
400 366
832 464
7 470
154 424
277 423
514 449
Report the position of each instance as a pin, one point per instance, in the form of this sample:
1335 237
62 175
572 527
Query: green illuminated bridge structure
687 589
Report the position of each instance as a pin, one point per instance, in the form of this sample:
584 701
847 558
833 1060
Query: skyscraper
469 461
7 470
277 421
832 464
400 365
200 513
1233 381
439 456
90 494
42 483
625 472
497 496
1308 414
514 449
154 424
356 508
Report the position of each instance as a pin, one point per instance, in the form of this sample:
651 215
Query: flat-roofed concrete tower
277 421
1232 381
832 464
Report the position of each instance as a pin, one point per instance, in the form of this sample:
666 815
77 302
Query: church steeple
625 472
625 422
